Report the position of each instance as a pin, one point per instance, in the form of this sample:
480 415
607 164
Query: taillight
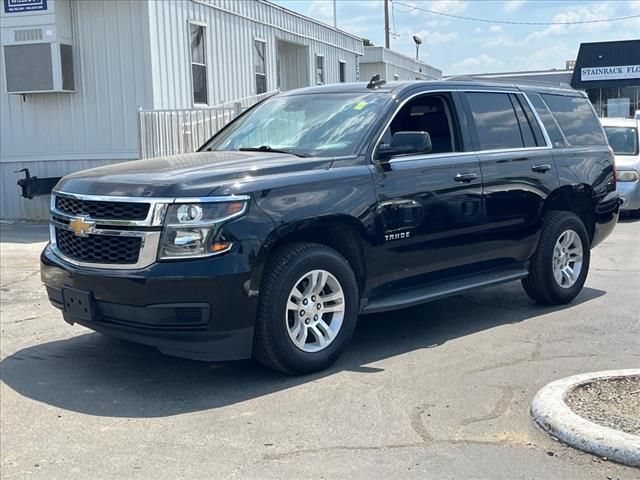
613 165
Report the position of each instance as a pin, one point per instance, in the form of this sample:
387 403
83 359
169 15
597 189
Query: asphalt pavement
436 391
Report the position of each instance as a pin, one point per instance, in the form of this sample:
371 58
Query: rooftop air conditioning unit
37 42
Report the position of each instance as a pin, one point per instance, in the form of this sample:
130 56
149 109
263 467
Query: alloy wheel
567 259
315 311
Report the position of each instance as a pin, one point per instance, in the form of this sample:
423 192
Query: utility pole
386 24
335 15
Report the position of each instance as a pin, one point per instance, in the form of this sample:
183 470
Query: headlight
626 175
191 229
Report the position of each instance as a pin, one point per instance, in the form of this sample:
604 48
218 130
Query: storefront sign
15 6
622 72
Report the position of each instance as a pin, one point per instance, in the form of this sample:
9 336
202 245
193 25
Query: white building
75 73
392 66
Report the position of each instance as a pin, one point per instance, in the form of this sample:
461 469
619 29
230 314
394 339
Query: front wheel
307 310
560 264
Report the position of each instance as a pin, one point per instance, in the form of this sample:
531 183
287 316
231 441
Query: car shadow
97 375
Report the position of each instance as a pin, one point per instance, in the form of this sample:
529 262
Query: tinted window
576 119
525 128
547 120
495 120
532 121
623 140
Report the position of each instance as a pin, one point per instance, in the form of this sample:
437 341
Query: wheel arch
343 233
578 199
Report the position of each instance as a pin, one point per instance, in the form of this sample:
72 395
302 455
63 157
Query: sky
466 47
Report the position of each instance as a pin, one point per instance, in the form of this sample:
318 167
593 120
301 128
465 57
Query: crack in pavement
26 277
518 361
417 424
303 451
500 408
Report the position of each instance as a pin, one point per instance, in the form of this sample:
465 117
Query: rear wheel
307 311
560 264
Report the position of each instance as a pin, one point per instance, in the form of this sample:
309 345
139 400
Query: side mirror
405 143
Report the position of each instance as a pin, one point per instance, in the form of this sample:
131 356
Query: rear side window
532 121
547 120
576 119
495 120
525 127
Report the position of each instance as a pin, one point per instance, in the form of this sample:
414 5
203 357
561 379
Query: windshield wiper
267 148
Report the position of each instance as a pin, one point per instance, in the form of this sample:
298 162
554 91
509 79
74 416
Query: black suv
321 204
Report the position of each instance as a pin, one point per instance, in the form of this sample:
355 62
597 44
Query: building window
198 64
260 66
342 71
320 69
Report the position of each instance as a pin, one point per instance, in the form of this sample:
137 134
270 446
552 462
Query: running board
421 294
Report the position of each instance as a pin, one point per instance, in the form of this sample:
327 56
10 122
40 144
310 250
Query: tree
367 42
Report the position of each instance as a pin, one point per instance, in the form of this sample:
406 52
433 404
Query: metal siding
54 134
406 67
14 206
231 28
132 53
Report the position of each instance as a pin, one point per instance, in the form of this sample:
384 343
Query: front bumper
197 309
629 194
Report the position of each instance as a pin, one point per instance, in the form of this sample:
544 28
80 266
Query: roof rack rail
510 81
465 78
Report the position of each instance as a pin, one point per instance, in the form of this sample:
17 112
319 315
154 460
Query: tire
276 343
542 284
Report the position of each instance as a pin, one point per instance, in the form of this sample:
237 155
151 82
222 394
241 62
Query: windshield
324 124
623 140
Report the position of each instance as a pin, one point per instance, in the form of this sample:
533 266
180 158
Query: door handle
465 177
540 168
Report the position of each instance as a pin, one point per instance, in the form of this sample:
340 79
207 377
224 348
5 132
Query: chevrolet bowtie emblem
81 227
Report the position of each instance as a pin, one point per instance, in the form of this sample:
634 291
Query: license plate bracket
79 304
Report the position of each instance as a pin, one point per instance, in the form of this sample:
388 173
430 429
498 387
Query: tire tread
263 348
535 285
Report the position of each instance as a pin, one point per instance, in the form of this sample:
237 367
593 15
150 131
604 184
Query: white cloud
495 28
634 5
448 6
477 30
513 5
478 64
580 14
435 38
547 58
321 10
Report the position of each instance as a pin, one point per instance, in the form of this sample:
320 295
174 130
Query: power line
507 22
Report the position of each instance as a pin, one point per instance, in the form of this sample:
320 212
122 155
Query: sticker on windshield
360 105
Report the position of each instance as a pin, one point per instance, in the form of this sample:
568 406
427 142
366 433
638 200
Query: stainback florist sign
621 72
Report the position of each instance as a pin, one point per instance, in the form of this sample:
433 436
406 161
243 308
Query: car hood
627 162
189 175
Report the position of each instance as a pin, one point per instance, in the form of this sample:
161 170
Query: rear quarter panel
591 169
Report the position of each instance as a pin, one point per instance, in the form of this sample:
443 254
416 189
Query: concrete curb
551 412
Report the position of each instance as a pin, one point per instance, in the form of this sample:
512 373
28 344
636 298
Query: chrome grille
103 249
101 209
110 232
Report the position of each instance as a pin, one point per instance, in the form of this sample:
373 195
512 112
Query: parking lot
436 391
